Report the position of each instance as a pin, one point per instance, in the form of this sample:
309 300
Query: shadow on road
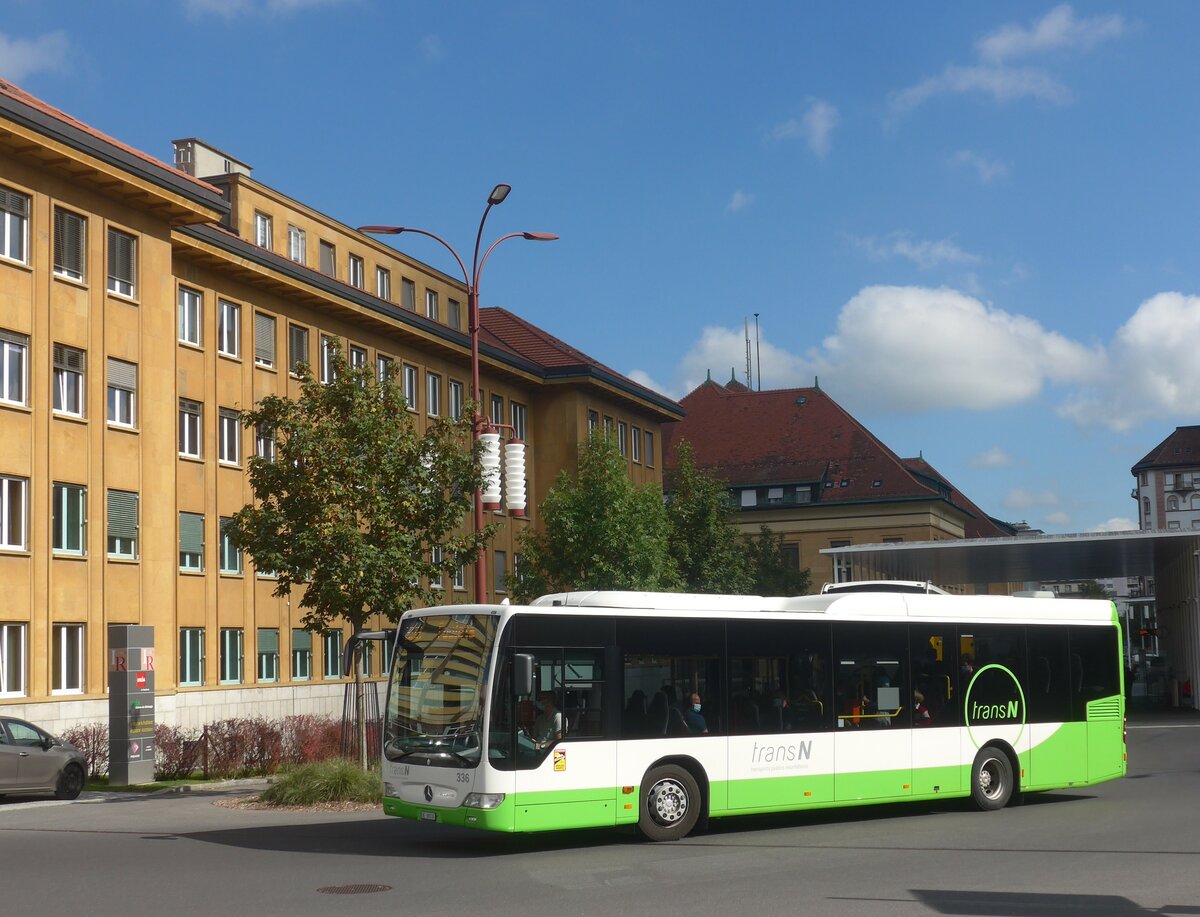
965 903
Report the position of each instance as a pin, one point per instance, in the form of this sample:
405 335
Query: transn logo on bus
995 698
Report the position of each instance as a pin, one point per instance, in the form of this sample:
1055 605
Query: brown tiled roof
20 95
1180 448
801 435
979 524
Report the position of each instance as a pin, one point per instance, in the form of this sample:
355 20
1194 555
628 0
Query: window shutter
191 533
69 239
14 203
11 337
68 358
122 375
264 338
121 248
268 641
122 514
302 640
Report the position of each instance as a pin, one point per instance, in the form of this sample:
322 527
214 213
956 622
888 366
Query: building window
635 444
410 387
190 413
497 409
749 498
1172 503
301 655
264 339
456 400
14 357
12 660
69 519
328 258
67 664
297 348
459 580
500 571
454 314
297 243
383 283
367 650
356 271
229 437
264 236
122 393
435 557
122 524
122 263
13 512
383 368
14 225
408 294
229 330
326 359
331 649
431 304
622 436
191 657
649 451
593 422
843 570
358 357
231 656
70 244
189 316
433 394
264 442
608 428
518 413
191 542
267 649
69 366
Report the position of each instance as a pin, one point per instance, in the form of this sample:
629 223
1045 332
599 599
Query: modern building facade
142 307
800 464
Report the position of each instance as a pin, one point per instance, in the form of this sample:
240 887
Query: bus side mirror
522 674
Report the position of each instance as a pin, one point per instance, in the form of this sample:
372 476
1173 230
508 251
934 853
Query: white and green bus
666 710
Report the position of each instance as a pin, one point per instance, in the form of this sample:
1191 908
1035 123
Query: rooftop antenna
749 373
757 353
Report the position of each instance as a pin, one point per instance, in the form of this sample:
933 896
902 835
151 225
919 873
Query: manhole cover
353 889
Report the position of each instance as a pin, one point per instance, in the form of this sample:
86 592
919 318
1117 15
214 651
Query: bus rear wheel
670 804
991 779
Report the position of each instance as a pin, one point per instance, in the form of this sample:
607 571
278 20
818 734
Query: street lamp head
382 230
499 193
539 236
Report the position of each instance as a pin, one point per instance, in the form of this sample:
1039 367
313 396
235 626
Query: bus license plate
429 816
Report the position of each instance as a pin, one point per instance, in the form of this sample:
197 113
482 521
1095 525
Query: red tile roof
1180 448
802 435
979 524
20 95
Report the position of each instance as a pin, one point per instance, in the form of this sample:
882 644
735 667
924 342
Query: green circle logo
998 706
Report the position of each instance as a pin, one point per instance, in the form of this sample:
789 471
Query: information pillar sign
130 704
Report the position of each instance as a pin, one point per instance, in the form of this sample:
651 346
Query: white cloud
739 201
988 169
925 253
994 457
23 57
1059 518
1003 84
1021 499
815 127
1153 373
228 9
1116 524
722 351
1058 29
643 378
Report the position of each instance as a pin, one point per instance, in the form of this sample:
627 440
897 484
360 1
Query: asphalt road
1130 847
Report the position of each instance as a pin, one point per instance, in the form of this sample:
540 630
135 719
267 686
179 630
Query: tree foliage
355 498
599 531
708 552
771 570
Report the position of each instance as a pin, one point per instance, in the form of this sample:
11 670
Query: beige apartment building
142 306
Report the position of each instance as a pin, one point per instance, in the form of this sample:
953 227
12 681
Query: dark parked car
33 761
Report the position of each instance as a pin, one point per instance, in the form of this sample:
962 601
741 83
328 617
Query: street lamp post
499 193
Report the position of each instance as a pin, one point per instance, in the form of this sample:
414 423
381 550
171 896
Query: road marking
1171 726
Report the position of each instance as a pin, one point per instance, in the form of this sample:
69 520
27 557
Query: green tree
708 552
772 569
599 531
354 499
1090 589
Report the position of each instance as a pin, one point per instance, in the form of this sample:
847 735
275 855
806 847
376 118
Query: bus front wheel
670 803
991 779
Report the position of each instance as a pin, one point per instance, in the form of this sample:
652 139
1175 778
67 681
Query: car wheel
70 782
670 803
991 779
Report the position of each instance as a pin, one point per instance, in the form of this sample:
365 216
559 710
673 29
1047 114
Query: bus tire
991 779
670 803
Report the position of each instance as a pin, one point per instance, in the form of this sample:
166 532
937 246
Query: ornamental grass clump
333 780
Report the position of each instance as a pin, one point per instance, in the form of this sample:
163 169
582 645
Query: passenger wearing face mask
693 717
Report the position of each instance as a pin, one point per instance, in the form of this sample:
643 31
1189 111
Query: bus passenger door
936 710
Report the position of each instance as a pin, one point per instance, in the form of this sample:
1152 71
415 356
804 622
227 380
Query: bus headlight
389 789
483 800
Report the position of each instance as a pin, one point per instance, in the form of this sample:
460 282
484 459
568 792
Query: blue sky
974 222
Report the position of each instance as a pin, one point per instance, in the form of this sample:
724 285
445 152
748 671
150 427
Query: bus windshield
435 696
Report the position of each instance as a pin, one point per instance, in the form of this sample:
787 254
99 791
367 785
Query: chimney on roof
817 383
199 160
